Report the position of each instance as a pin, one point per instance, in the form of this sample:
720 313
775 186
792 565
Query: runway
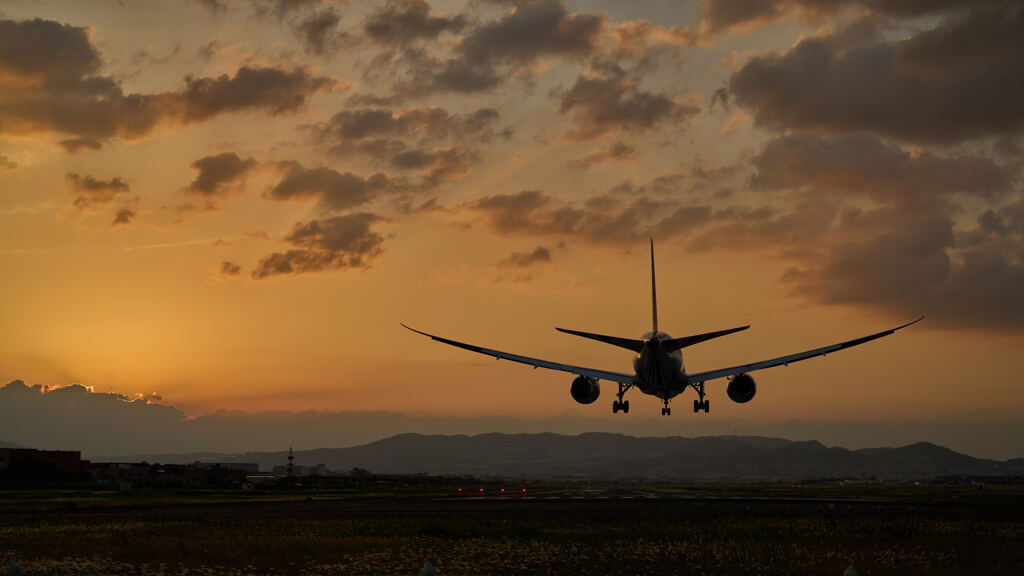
622 494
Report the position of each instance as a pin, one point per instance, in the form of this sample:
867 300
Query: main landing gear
701 403
621 404
666 411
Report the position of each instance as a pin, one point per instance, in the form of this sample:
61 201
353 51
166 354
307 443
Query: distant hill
4 444
610 456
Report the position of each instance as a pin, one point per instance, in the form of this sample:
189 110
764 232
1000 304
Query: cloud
862 165
123 217
490 53
217 174
319 32
909 270
407 138
608 101
50 81
741 16
539 255
7 164
403 21
598 220
337 243
283 8
639 38
533 28
401 138
957 81
274 90
229 268
333 190
521 266
617 151
75 145
90 191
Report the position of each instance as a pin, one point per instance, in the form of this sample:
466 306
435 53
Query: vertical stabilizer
654 291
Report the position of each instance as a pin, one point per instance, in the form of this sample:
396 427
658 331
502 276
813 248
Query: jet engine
584 390
741 388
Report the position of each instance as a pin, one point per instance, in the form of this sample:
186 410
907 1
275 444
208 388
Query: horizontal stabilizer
677 343
628 343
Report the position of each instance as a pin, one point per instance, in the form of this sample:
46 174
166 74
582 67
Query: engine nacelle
584 390
741 388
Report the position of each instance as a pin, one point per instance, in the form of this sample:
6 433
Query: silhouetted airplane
658 366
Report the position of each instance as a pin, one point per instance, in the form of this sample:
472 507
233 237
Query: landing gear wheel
625 406
707 406
615 407
666 411
696 406
699 405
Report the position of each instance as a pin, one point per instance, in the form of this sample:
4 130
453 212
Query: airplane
658 366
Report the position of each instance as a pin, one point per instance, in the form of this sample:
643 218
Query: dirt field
548 530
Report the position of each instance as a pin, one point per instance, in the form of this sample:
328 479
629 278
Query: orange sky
234 203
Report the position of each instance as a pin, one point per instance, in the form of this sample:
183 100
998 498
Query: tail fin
654 291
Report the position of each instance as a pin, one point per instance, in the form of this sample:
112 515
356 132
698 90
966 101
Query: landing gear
666 411
700 403
621 404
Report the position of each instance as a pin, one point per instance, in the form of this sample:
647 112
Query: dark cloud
283 9
521 266
90 191
598 220
50 82
492 52
607 101
908 270
230 268
333 190
274 90
338 243
724 15
403 21
74 145
539 255
217 174
407 139
319 32
351 126
960 80
617 151
533 28
123 217
439 165
861 165
427 74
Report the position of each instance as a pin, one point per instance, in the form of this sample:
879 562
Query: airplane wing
786 360
536 363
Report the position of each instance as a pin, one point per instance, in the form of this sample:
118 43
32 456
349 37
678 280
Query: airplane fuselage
658 371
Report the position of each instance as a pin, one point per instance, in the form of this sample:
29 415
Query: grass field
221 532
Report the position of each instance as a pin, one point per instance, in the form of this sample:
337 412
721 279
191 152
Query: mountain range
615 456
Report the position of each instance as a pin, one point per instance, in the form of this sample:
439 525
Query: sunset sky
231 204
